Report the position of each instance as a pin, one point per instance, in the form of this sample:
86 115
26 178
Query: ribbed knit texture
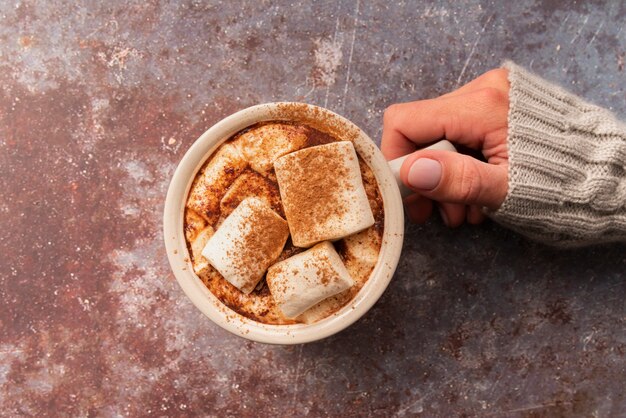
567 166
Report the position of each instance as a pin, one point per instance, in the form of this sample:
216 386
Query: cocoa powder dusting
374 196
316 137
314 184
316 118
259 304
260 246
248 184
223 167
326 274
260 309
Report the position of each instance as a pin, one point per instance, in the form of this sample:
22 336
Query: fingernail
444 217
425 174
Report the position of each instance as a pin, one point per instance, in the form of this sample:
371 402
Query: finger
393 143
455 178
394 146
475 215
464 119
452 214
418 208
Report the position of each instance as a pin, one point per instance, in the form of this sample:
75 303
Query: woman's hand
473 117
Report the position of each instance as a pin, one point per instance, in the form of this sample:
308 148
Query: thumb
455 178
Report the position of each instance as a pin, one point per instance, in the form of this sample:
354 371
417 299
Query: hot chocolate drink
253 206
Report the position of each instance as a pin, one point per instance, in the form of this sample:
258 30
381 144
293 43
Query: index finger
463 119
393 143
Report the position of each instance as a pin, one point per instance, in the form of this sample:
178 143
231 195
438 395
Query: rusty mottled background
98 103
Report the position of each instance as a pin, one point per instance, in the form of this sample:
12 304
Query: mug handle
443 145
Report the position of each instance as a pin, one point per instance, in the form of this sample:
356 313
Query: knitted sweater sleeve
567 166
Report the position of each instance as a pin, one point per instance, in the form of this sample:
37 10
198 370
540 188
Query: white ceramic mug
387 175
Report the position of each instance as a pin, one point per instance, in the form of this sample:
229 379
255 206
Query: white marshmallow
194 224
213 182
250 184
360 255
264 144
301 281
361 252
247 243
325 308
200 264
322 193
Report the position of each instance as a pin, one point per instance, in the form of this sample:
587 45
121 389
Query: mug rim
180 260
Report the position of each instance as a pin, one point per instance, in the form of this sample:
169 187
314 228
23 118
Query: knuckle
390 113
491 96
469 183
451 121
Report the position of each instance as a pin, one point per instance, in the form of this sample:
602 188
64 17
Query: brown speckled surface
99 102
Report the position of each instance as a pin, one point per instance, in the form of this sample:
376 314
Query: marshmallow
200 264
264 144
359 255
322 193
326 307
250 184
301 281
194 224
247 243
361 252
211 184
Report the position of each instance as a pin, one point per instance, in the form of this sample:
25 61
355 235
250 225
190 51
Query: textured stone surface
99 102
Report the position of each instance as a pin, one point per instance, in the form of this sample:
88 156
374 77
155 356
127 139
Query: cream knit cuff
567 166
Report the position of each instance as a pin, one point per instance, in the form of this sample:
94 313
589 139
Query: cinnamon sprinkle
260 247
315 177
259 305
